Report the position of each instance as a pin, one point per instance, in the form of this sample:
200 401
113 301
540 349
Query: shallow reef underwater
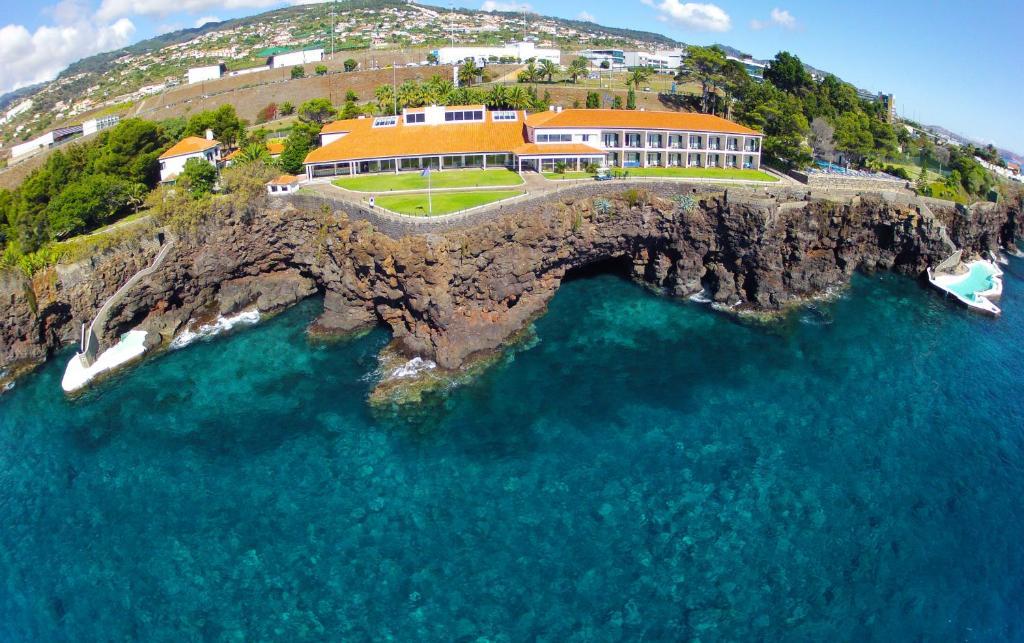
637 468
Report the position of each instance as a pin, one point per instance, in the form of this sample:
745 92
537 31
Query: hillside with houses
114 82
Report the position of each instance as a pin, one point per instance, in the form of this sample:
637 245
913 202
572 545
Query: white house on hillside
210 72
293 58
172 162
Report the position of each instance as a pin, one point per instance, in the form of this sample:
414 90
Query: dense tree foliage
227 127
298 144
787 73
197 177
83 185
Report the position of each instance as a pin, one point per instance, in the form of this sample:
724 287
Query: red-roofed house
172 162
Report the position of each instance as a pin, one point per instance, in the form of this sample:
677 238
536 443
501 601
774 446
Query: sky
947 63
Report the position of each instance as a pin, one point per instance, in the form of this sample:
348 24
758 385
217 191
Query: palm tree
468 72
253 152
532 73
497 97
385 95
410 94
437 90
578 68
518 97
549 69
638 77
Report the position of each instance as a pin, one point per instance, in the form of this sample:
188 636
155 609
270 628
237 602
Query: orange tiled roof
189 145
367 142
284 179
540 149
273 147
633 119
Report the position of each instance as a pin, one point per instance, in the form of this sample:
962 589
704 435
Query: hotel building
471 136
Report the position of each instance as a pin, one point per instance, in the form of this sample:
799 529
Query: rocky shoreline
455 296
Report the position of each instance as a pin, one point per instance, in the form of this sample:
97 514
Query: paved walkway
95 334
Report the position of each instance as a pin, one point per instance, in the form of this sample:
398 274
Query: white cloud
586 16
778 18
499 5
205 19
692 15
31 57
110 9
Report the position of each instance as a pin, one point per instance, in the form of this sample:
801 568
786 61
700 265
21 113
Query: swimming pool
978 280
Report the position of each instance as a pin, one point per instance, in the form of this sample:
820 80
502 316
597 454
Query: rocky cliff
454 295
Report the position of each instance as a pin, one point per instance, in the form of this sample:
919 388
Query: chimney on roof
558 109
209 134
551 108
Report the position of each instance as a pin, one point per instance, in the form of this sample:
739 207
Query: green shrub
684 203
635 197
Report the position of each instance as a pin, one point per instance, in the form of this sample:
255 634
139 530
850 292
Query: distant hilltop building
210 72
888 105
62 134
607 58
293 58
20 108
519 52
754 68
664 59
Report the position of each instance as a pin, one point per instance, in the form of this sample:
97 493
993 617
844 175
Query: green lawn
914 171
674 172
700 173
387 182
444 202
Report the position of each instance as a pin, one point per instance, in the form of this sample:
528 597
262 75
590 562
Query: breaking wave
220 325
412 368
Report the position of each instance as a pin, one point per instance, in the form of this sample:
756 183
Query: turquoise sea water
644 469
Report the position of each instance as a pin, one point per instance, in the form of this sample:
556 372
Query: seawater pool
979 279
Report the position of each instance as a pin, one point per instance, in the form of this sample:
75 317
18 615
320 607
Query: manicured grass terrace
444 202
676 172
388 181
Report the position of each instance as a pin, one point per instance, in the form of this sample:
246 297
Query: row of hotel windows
418 163
655 159
680 141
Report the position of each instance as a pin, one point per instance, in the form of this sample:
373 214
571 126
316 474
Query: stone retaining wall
822 181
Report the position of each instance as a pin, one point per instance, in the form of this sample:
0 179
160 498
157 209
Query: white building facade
210 72
519 52
649 139
295 58
660 60
94 125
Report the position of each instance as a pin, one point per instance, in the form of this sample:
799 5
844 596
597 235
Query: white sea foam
8 386
219 325
700 297
413 367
